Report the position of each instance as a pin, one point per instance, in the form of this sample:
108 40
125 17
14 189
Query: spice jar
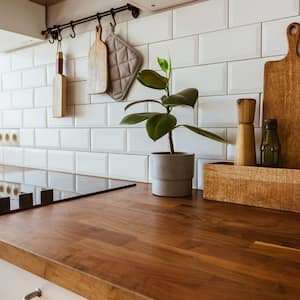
270 147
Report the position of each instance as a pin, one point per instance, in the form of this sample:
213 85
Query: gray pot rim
172 155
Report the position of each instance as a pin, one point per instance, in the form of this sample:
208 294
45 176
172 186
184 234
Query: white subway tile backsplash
131 167
77 93
22 98
221 111
34 118
75 139
188 141
94 164
47 138
108 140
78 47
5 63
233 44
35 158
150 29
45 54
208 79
144 51
182 51
81 69
139 142
116 113
43 96
101 98
12 119
11 81
22 59
66 121
27 137
63 161
201 17
93 115
34 78
274 37
13 156
247 76
5 100
245 11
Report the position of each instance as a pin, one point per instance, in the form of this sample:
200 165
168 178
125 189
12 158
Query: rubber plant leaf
159 125
152 79
136 118
164 64
205 133
186 97
141 101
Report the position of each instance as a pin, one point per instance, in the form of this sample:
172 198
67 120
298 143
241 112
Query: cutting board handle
293 35
98 33
59 62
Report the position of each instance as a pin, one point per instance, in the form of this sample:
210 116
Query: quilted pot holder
123 64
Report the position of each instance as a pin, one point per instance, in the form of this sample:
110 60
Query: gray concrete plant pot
172 174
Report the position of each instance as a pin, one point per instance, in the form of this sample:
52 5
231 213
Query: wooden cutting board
282 99
59 89
97 72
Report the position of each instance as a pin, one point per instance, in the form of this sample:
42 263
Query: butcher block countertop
128 244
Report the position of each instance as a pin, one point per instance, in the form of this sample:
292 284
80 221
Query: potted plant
171 172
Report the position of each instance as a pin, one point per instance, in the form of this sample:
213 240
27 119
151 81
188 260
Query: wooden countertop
128 244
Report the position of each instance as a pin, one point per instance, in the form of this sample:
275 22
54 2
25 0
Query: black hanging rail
55 31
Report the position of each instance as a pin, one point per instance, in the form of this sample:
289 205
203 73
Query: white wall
218 46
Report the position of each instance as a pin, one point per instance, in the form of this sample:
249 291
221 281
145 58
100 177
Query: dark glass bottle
270 147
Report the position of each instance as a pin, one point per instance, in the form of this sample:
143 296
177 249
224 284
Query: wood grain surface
59 103
245 142
97 69
131 245
282 99
256 186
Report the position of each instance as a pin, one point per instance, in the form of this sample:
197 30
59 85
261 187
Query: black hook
99 18
59 36
53 35
113 17
73 34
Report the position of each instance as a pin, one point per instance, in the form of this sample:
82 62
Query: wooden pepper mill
245 144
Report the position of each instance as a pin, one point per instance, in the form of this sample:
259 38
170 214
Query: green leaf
152 79
141 101
205 133
186 97
137 118
159 125
163 63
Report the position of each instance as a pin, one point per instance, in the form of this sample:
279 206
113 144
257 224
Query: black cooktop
23 188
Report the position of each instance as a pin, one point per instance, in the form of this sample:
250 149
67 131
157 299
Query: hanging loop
73 34
112 12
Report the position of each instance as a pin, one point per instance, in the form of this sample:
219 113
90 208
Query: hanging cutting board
282 99
97 72
59 89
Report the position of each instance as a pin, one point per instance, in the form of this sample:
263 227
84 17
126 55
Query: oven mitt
123 64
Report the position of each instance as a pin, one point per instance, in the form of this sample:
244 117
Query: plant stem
171 143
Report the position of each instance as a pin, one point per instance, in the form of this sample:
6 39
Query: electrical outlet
9 138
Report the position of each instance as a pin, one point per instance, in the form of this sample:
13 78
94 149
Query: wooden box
255 186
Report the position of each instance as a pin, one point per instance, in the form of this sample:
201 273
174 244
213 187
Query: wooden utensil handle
293 35
59 63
